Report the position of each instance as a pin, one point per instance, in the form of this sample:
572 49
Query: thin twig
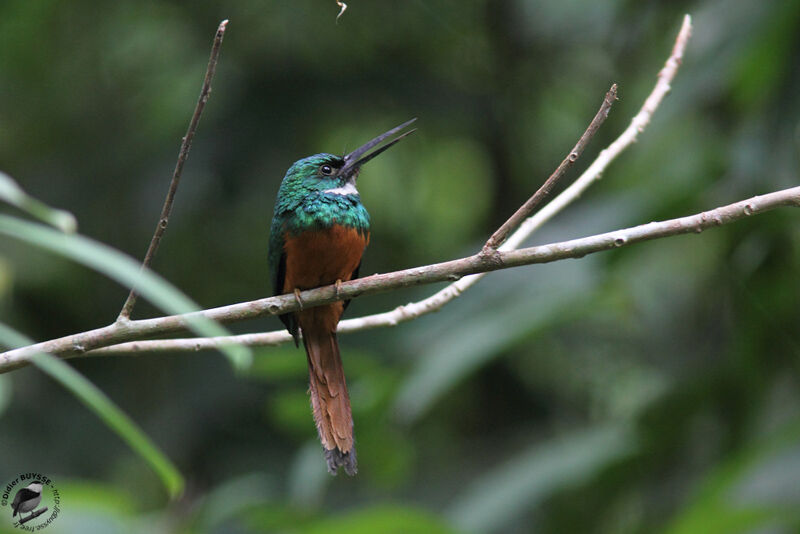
439 299
532 203
341 12
595 171
183 154
576 248
627 138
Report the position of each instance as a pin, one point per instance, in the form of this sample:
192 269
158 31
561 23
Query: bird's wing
277 265
23 495
352 277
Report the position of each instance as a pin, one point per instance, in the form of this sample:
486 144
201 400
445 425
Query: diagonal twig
183 154
591 175
343 7
626 138
525 211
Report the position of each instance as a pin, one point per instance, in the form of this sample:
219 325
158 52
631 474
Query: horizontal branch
123 331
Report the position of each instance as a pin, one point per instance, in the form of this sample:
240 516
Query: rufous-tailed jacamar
319 232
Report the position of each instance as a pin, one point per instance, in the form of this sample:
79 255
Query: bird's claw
337 287
297 298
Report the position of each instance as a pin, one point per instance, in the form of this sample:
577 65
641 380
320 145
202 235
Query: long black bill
356 158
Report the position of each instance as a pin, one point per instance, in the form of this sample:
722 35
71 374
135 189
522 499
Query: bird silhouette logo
33 499
26 500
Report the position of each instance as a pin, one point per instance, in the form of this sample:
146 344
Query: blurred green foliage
653 388
95 400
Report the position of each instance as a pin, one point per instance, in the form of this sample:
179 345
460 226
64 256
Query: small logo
26 501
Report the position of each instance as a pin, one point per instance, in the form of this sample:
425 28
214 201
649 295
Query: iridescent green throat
309 200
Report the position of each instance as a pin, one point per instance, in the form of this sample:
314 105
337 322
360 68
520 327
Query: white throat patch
347 189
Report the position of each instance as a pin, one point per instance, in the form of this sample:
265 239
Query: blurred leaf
126 271
13 194
289 410
725 520
385 455
104 408
756 488
760 69
6 279
308 476
96 496
498 313
275 364
275 517
383 519
228 499
497 498
5 392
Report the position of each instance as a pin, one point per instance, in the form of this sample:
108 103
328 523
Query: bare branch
576 248
183 154
532 203
627 138
439 299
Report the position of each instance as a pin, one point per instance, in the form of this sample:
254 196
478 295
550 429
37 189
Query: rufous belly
321 257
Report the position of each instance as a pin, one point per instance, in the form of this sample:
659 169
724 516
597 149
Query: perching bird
27 499
319 232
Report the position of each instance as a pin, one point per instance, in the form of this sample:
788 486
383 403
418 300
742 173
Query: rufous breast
320 257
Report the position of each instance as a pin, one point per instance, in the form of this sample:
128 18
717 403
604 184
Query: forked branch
435 302
532 203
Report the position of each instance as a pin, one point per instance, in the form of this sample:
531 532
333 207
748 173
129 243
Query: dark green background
653 388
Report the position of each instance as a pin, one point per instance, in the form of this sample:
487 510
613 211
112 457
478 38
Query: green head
331 174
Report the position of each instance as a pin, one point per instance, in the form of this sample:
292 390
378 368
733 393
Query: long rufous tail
329 399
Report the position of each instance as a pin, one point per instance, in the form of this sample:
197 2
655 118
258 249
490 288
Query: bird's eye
326 170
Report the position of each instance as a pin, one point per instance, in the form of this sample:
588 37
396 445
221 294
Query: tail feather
330 401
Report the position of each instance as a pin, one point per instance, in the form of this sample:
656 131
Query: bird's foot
337 287
297 298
